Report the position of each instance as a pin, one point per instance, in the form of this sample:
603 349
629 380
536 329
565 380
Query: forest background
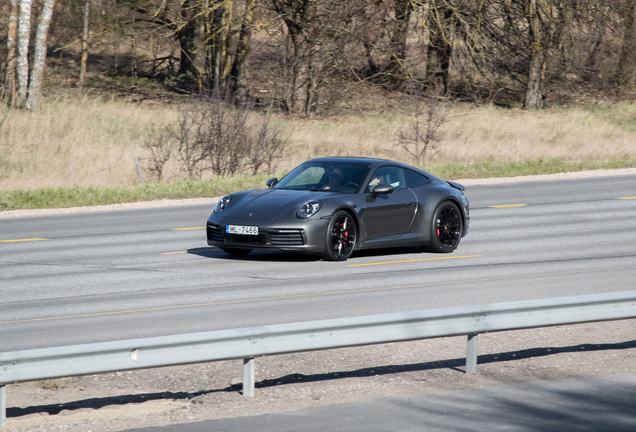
122 100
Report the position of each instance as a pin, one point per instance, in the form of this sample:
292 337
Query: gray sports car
337 205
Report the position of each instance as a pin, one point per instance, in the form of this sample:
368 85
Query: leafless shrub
218 136
422 135
188 134
267 145
160 154
225 135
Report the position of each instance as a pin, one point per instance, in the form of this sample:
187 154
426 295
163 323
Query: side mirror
382 189
271 182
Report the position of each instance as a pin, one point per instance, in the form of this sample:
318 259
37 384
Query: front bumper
305 236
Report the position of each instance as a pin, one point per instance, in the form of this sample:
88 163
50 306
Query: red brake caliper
344 239
344 227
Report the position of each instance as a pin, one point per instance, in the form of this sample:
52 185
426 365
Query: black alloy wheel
341 237
447 228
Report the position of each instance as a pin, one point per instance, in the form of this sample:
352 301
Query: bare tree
214 39
301 20
190 31
397 65
626 74
157 144
238 75
266 144
190 136
422 136
225 133
440 48
537 13
320 49
321 41
509 43
84 56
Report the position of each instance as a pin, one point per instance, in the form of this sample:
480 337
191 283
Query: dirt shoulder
169 396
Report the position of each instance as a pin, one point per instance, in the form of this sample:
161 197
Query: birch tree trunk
9 89
22 62
39 56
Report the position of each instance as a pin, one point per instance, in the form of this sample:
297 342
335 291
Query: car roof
358 160
368 162
372 163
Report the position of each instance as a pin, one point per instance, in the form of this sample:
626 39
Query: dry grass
79 143
93 142
572 134
475 134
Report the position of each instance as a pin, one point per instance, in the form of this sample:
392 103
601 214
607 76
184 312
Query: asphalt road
586 405
89 277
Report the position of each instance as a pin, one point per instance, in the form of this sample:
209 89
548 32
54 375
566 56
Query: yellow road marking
508 205
414 260
22 240
296 296
627 198
187 229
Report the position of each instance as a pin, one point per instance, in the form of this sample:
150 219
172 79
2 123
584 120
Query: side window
414 179
393 176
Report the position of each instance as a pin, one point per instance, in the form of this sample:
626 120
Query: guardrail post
471 354
3 405
248 377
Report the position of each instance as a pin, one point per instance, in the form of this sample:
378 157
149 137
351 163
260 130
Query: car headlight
308 209
222 204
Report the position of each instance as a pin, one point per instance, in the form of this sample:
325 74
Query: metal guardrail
251 342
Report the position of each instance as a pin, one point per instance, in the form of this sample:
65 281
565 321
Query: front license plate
241 229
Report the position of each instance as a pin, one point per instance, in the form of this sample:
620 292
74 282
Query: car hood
269 204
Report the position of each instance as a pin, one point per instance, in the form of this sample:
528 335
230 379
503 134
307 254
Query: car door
391 214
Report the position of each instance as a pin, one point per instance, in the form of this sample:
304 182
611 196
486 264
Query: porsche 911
335 206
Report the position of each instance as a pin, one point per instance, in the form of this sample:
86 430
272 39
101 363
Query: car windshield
324 176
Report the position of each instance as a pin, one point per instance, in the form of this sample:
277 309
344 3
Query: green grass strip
51 198
493 169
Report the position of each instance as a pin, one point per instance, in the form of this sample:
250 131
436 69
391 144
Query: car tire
236 251
342 235
446 228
